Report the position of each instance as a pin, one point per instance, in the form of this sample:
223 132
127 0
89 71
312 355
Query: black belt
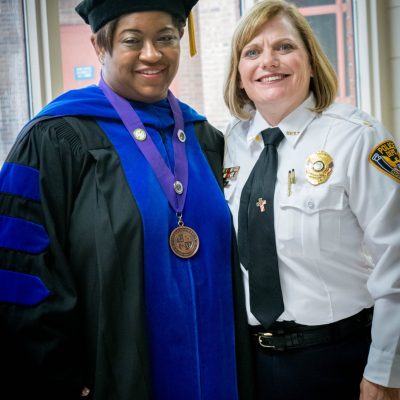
289 335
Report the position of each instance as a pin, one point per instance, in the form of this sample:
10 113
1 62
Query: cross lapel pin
261 203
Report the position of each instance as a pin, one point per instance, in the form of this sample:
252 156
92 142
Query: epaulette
232 124
350 114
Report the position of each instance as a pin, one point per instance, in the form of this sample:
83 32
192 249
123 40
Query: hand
373 391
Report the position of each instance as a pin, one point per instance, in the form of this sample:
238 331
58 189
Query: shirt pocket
310 221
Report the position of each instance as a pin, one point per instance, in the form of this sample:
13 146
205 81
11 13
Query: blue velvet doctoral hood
91 102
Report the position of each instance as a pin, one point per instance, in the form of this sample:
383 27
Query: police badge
319 167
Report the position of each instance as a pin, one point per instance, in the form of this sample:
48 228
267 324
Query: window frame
43 52
370 32
371 38
339 9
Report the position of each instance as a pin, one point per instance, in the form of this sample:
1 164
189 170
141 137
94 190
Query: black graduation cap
97 13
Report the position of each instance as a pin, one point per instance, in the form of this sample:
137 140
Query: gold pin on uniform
292 133
291 180
319 167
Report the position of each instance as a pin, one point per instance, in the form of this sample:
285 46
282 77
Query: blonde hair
323 84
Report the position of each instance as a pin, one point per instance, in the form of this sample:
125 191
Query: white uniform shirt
338 243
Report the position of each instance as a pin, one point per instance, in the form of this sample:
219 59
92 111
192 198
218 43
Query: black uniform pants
322 372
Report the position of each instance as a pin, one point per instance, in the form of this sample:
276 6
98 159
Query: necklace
184 241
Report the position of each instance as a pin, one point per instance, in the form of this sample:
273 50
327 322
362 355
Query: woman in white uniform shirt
337 215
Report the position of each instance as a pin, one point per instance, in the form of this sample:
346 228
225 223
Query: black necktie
256 233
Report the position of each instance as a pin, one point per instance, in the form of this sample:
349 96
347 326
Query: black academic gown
99 339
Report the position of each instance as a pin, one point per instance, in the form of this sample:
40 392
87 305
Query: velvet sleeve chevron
20 234
37 186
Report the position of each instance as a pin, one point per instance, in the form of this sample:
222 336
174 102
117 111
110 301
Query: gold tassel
192 35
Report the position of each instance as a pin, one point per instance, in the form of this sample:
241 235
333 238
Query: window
199 82
57 45
79 62
14 109
200 79
332 22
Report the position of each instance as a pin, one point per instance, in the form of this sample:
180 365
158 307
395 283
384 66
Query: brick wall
217 20
201 78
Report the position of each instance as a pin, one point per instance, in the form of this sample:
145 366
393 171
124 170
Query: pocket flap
315 200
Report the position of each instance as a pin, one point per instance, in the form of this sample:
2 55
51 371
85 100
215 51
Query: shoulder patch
386 158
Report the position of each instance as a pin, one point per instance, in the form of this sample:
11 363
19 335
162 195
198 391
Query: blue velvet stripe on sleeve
21 235
22 289
20 180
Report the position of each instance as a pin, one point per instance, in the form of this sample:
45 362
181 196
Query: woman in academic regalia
116 279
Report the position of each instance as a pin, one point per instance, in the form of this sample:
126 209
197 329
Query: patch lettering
386 158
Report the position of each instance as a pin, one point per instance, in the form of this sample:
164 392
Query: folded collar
292 126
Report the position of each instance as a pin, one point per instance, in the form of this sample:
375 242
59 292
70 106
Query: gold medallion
184 242
140 134
319 167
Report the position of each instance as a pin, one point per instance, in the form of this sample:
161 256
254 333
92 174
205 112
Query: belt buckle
265 335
